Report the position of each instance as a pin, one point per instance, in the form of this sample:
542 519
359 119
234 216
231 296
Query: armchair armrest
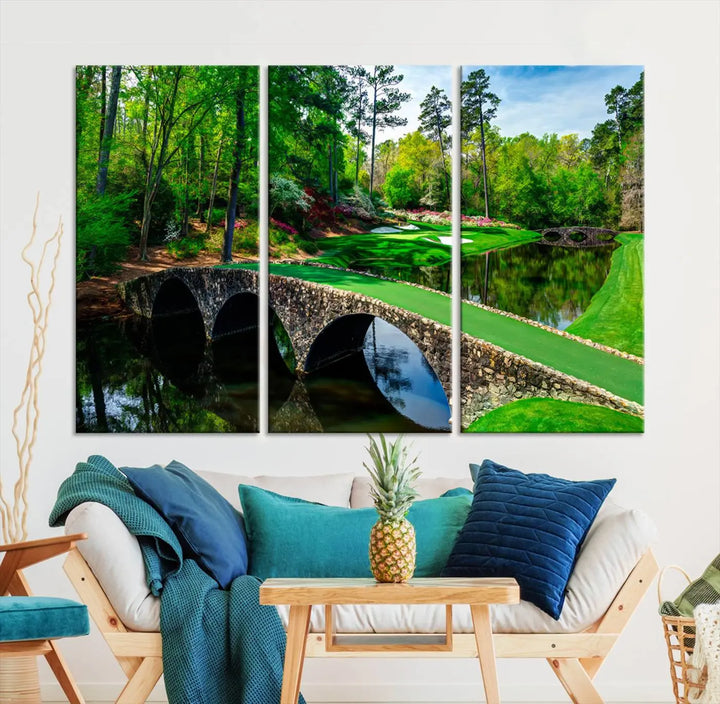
21 555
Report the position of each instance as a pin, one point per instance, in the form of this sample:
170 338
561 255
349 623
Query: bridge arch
578 236
238 314
178 330
174 297
342 336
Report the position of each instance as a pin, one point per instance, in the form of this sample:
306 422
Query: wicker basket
680 641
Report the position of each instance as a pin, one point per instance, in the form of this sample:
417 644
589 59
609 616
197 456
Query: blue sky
417 80
547 99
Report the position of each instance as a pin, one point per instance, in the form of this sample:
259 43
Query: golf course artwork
360 248
172 306
552 249
167 189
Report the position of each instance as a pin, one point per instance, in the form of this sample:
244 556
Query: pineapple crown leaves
393 476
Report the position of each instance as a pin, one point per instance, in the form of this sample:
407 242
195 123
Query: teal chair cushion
40 618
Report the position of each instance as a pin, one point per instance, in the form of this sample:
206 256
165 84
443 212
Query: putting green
618 375
426 246
546 415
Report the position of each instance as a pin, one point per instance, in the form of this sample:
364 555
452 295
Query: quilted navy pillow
526 526
210 530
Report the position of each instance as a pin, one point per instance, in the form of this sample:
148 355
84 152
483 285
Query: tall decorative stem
14 511
19 680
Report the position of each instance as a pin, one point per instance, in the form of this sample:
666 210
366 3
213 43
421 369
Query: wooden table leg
298 626
486 651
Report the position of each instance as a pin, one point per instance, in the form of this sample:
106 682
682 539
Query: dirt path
98 297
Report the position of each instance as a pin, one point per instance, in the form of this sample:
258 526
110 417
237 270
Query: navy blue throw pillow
210 530
526 526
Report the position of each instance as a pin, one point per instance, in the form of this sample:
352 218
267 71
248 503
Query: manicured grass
615 314
401 249
619 376
485 239
414 247
545 415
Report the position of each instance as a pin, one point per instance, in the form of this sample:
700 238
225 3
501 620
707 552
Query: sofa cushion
41 617
290 537
328 489
427 488
526 526
615 542
113 554
210 530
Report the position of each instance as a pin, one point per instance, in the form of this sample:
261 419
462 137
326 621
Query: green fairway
545 415
619 376
615 314
421 247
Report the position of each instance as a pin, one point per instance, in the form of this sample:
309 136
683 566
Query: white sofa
613 549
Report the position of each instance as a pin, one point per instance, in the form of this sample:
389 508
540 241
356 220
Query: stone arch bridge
325 323
578 236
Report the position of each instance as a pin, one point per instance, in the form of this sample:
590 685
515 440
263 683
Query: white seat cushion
113 554
614 544
328 489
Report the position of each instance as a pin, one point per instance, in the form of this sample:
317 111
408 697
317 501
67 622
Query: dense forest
325 156
166 155
554 180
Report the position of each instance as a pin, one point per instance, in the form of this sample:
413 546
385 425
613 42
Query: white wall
672 471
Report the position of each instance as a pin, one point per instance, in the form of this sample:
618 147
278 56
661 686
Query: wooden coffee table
302 594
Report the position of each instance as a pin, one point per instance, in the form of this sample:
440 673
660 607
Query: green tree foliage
479 107
162 128
387 99
103 233
550 181
416 166
401 188
435 118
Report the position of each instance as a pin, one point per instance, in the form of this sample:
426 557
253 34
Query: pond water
550 284
163 377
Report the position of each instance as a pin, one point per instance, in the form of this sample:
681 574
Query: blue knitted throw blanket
219 646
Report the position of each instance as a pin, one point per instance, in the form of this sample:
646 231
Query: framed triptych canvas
318 280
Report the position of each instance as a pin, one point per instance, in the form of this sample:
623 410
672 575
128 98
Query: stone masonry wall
490 377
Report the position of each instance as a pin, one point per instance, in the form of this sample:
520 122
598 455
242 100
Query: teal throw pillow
290 537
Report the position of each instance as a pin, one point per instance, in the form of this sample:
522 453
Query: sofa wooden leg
63 676
575 680
139 686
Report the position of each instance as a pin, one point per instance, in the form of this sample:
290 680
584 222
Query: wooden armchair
29 625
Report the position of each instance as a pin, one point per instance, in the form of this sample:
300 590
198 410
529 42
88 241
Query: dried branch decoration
14 513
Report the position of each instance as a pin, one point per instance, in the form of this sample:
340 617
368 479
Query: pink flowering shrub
434 217
283 226
240 224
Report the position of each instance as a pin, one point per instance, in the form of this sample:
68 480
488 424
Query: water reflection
549 284
383 384
163 377
135 376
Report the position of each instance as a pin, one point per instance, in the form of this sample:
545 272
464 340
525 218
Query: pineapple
392 539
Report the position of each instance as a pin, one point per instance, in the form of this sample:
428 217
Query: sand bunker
447 240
